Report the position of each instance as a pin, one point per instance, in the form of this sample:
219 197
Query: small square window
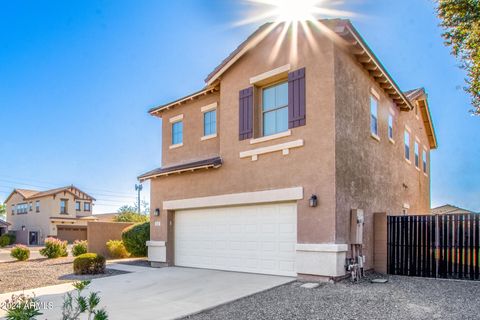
86 206
210 122
177 132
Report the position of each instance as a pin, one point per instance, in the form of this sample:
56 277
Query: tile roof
29 194
179 168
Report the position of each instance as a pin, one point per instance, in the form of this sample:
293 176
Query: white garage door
259 239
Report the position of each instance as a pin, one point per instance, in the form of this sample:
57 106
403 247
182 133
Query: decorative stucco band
277 195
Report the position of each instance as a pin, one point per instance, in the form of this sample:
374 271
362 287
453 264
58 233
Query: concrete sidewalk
166 293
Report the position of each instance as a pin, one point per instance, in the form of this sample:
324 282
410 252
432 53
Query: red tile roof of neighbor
178 168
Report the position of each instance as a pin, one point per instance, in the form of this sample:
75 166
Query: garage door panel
258 239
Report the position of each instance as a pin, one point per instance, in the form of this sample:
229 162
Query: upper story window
86 206
407 145
22 208
209 123
63 206
177 132
424 161
78 206
374 115
275 108
13 209
30 206
390 126
417 156
37 206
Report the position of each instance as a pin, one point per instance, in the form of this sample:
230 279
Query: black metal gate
438 246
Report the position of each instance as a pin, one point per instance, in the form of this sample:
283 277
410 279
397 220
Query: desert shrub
54 248
79 247
116 249
135 239
7 239
21 307
20 252
89 263
12 237
4 240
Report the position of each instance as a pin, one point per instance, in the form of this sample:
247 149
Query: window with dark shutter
296 98
246 114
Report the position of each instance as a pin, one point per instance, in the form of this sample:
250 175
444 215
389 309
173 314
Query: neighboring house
265 168
3 227
450 209
62 213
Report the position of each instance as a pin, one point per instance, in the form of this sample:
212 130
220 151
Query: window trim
270 76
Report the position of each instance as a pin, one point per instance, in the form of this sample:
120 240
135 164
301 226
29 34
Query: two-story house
292 144
62 213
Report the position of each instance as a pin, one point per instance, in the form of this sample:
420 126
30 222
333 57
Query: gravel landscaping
15 276
400 298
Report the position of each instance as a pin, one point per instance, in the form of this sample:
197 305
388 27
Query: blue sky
77 79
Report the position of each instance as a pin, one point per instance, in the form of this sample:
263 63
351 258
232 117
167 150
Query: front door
33 238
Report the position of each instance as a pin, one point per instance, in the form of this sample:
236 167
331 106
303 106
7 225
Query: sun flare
295 16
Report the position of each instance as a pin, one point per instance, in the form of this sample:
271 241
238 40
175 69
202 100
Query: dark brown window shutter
246 114
296 98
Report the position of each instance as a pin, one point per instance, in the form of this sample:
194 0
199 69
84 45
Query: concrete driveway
166 293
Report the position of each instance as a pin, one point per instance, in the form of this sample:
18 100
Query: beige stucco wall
311 166
371 174
40 221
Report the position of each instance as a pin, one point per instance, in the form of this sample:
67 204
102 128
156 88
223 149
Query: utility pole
138 188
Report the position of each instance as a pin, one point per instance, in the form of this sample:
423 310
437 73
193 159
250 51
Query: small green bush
4 240
20 252
79 247
12 237
54 248
135 239
116 249
89 263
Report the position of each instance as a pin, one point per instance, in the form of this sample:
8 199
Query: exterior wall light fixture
313 201
157 212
